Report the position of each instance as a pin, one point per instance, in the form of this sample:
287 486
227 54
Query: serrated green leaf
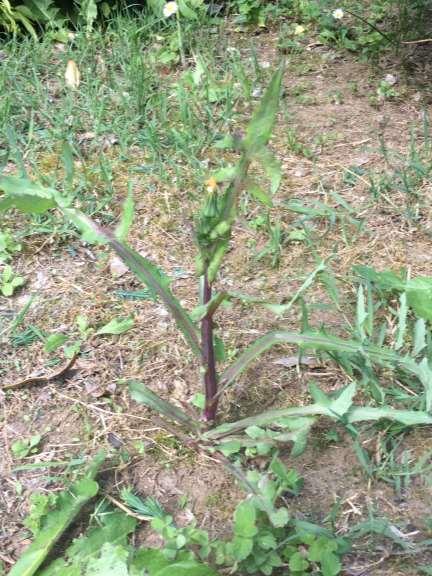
111 562
419 296
230 447
68 505
148 273
407 417
279 518
343 402
90 231
386 281
126 219
117 326
272 168
261 125
224 174
330 563
244 520
241 547
297 563
258 193
25 195
115 528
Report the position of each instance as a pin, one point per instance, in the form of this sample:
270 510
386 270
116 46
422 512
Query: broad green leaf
279 517
230 447
219 349
186 568
153 562
88 12
115 529
297 563
224 174
186 11
343 402
54 341
148 560
361 315
318 395
244 520
21 448
68 506
111 562
198 400
419 296
126 219
140 393
330 563
25 195
261 125
117 326
241 547
386 281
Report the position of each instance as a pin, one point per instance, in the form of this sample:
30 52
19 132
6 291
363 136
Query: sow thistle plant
214 225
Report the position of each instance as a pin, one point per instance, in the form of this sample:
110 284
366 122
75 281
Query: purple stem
210 378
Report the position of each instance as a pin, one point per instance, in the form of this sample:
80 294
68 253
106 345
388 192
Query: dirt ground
327 102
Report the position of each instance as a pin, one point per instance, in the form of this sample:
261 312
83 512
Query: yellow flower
338 14
72 75
299 30
169 9
211 184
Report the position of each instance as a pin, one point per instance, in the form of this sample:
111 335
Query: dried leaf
72 75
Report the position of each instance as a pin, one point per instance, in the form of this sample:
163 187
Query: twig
42 379
424 41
